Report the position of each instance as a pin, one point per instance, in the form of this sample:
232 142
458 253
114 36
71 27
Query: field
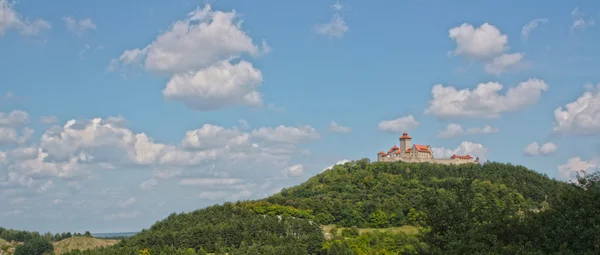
81 243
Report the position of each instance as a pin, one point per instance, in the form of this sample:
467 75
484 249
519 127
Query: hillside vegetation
81 243
467 209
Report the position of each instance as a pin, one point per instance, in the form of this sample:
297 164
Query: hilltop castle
418 153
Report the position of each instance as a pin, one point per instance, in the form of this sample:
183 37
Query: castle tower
404 143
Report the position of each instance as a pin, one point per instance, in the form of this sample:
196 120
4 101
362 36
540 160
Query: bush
347 232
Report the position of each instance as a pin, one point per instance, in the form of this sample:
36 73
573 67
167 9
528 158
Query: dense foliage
383 194
227 228
35 246
467 209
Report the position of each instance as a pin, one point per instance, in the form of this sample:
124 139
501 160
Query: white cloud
340 162
223 84
486 44
484 101
580 117
79 27
534 149
209 181
530 26
211 136
47 185
285 134
466 147
580 22
503 63
56 201
127 202
575 165
483 42
149 184
294 170
202 39
197 54
334 127
48 120
400 124
336 28
10 19
14 118
454 130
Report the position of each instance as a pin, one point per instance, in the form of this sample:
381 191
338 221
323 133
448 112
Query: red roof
422 148
408 150
381 153
461 157
405 136
393 148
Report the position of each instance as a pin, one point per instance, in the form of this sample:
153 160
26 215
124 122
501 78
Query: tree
36 246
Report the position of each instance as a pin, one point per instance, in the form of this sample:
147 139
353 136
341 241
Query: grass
410 230
81 243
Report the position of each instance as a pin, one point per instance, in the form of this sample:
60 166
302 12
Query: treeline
24 236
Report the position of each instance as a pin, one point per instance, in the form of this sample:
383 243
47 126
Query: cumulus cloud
334 127
197 54
534 149
575 165
503 62
10 19
286 134
209 181
485 101
293 170
454 130
485 44
336 27
530 26
580 117
580 22
466 147
205 37
79 27
14 118
400 124
223 84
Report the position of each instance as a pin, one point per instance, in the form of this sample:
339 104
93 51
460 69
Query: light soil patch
81 243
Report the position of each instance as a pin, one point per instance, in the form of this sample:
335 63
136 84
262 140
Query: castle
418 153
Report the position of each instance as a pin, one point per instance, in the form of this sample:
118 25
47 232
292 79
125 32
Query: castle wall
443 161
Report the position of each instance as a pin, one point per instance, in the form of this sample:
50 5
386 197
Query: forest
492 208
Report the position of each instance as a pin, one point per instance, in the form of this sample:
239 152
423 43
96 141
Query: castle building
418 153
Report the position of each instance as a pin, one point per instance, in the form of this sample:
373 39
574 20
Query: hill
383 194
81 243
467 209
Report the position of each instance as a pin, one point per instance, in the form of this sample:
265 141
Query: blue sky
115 114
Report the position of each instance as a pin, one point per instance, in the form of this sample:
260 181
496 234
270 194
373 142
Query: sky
115 114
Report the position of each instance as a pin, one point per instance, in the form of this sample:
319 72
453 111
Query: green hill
393 208
382 194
